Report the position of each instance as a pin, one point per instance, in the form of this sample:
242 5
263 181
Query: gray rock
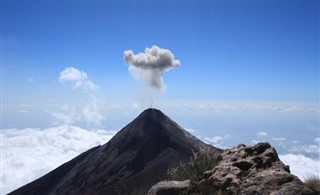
255 170
243 170
169 187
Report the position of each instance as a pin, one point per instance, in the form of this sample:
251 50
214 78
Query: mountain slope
130 163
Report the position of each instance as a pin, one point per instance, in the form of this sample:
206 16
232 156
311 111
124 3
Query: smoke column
148 67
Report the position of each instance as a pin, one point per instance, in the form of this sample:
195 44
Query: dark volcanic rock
130 163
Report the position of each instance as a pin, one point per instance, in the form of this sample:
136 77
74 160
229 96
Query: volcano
137 157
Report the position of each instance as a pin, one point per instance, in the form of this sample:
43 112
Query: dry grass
193 170
313 183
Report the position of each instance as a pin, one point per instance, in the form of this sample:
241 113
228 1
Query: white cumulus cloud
90 112
30 153
79 77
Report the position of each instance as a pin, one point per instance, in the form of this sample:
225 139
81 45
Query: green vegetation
313 183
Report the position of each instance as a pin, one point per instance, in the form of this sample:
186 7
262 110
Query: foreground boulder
254 170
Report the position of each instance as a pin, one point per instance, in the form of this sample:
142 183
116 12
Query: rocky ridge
249 170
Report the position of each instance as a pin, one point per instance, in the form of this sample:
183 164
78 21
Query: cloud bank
301 166
30 153
148 66
313 149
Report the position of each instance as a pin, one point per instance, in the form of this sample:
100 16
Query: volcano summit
136 158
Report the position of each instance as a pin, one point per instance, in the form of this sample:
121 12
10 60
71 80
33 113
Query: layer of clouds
148 66
90 113
64 114
79 77
297 107
301 166
313 149
30 153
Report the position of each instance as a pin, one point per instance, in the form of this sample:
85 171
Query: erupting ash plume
148 66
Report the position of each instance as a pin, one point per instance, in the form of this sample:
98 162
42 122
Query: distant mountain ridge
130 163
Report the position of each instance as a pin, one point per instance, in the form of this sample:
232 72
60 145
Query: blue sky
233 51
249 69
248 52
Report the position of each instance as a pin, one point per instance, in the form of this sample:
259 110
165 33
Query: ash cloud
149 66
